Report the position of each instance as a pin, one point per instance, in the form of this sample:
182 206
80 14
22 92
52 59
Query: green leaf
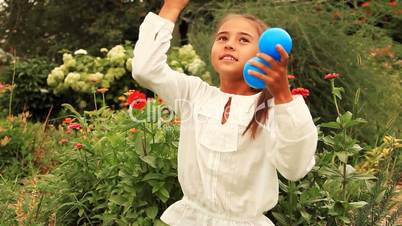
81 212
305 215
337 92
359 204
280 218
151 212
153 176
159 223
342 156
333 125
163 194
72 109
150 160
117 199
346 117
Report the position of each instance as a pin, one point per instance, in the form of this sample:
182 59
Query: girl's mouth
228 57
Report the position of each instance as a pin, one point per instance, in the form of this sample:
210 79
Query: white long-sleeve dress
227 179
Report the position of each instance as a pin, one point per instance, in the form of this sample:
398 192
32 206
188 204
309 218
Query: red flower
301 91
365 4
137 100
78 146
133 130
63 141
291 77
69 120
76 126
331 76
392 3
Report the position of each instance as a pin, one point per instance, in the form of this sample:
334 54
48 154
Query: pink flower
331 76
291 77
365 4
78 146
62 141
301 91
76 126
137 99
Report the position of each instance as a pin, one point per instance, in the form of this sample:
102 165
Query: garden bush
328 37
30 91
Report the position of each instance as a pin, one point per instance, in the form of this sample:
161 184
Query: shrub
119 172
30 91
327 37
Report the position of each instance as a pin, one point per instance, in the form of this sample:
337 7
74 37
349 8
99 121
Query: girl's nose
229 45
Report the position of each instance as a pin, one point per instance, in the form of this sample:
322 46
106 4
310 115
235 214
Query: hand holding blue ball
267 44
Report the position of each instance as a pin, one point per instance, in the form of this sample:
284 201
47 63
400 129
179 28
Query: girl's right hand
176 4
171 9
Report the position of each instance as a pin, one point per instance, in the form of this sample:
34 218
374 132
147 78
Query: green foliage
7 197
334 189
17 145
124 173
73 24
328 37
30 91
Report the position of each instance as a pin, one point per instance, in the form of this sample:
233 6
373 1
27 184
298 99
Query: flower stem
103 99
12 83
96 107
334 97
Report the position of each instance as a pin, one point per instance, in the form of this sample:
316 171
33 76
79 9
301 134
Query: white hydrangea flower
72 78
117 55
95 77
187 54
81 52
114 73
129 64
58 73
179 70
196 67
104 50
50 80
68 60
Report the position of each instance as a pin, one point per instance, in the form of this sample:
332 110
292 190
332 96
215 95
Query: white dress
227 179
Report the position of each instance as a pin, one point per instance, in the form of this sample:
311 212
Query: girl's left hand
276 78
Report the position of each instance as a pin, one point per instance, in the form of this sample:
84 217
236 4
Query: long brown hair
261 109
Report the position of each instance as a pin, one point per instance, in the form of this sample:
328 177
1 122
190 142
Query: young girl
233 139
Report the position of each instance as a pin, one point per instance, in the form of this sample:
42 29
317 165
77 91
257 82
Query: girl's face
235 43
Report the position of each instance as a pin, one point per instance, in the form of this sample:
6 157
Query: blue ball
251 80
270 38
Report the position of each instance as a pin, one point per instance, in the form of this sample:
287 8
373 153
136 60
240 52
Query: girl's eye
244 40
221 38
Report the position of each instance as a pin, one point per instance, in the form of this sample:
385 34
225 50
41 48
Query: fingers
268 59
282 52
262 66
267 79
284 55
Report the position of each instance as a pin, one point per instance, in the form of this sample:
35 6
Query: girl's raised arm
171 9
150 68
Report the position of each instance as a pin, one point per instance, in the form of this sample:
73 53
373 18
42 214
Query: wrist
282 98
170 13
